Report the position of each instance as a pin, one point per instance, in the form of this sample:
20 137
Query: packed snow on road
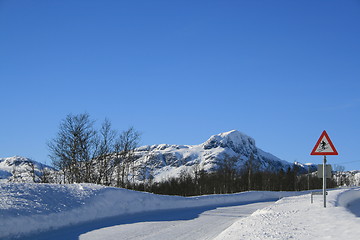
88 211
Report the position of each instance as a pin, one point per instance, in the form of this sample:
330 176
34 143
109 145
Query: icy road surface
178 224
188 223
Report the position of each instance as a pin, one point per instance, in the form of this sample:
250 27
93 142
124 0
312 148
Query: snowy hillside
164 161
21 169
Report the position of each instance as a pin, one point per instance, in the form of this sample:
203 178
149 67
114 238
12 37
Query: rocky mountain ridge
163 161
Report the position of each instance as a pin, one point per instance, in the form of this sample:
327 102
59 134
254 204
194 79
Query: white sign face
324 146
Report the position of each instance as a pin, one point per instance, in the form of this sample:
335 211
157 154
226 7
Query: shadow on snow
73 232
354 207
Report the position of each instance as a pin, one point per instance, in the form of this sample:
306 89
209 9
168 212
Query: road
190 223
180 224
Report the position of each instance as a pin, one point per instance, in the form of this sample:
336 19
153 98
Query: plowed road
180 224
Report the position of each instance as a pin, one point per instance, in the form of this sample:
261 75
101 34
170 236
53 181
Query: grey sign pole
324 180
324 146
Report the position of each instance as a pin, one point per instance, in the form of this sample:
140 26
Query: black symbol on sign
323 145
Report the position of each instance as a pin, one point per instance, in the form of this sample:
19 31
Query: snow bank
297 218
40 207
350 199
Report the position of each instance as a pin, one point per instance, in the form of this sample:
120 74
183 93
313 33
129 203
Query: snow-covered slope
21 169
164 161
40 207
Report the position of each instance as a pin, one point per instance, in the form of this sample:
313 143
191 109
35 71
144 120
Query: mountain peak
233 139
234 135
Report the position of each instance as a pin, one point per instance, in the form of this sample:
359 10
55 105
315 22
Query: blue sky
181 71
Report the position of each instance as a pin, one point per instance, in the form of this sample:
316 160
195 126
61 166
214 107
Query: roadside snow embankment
41 207
297 218
351 200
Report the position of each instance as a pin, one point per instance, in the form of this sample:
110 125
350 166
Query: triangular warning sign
324 146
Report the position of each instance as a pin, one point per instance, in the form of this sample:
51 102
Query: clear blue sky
181 71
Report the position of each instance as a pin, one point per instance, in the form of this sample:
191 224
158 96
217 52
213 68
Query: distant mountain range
163 161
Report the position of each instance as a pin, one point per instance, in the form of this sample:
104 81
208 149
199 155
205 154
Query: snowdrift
41 207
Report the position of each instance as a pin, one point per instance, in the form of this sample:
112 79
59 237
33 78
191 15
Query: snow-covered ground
27 209
180 224
40 207
297 218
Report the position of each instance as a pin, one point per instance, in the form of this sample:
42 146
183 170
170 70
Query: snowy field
87 211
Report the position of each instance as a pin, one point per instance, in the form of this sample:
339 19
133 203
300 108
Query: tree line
228 179
82 153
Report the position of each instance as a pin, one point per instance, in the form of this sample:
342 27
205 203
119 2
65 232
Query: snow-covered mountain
21 169
164 161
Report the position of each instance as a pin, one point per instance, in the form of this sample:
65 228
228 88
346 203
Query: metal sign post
324 180
324 147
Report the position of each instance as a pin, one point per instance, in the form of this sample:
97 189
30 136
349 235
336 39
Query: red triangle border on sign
324 133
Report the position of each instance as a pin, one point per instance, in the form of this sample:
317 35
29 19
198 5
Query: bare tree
251 166
105 148
250 162
227 169
32 171
74 147
124 157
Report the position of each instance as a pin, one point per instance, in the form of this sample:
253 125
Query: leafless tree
106 142
124 159
74 147
45 174
32 170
